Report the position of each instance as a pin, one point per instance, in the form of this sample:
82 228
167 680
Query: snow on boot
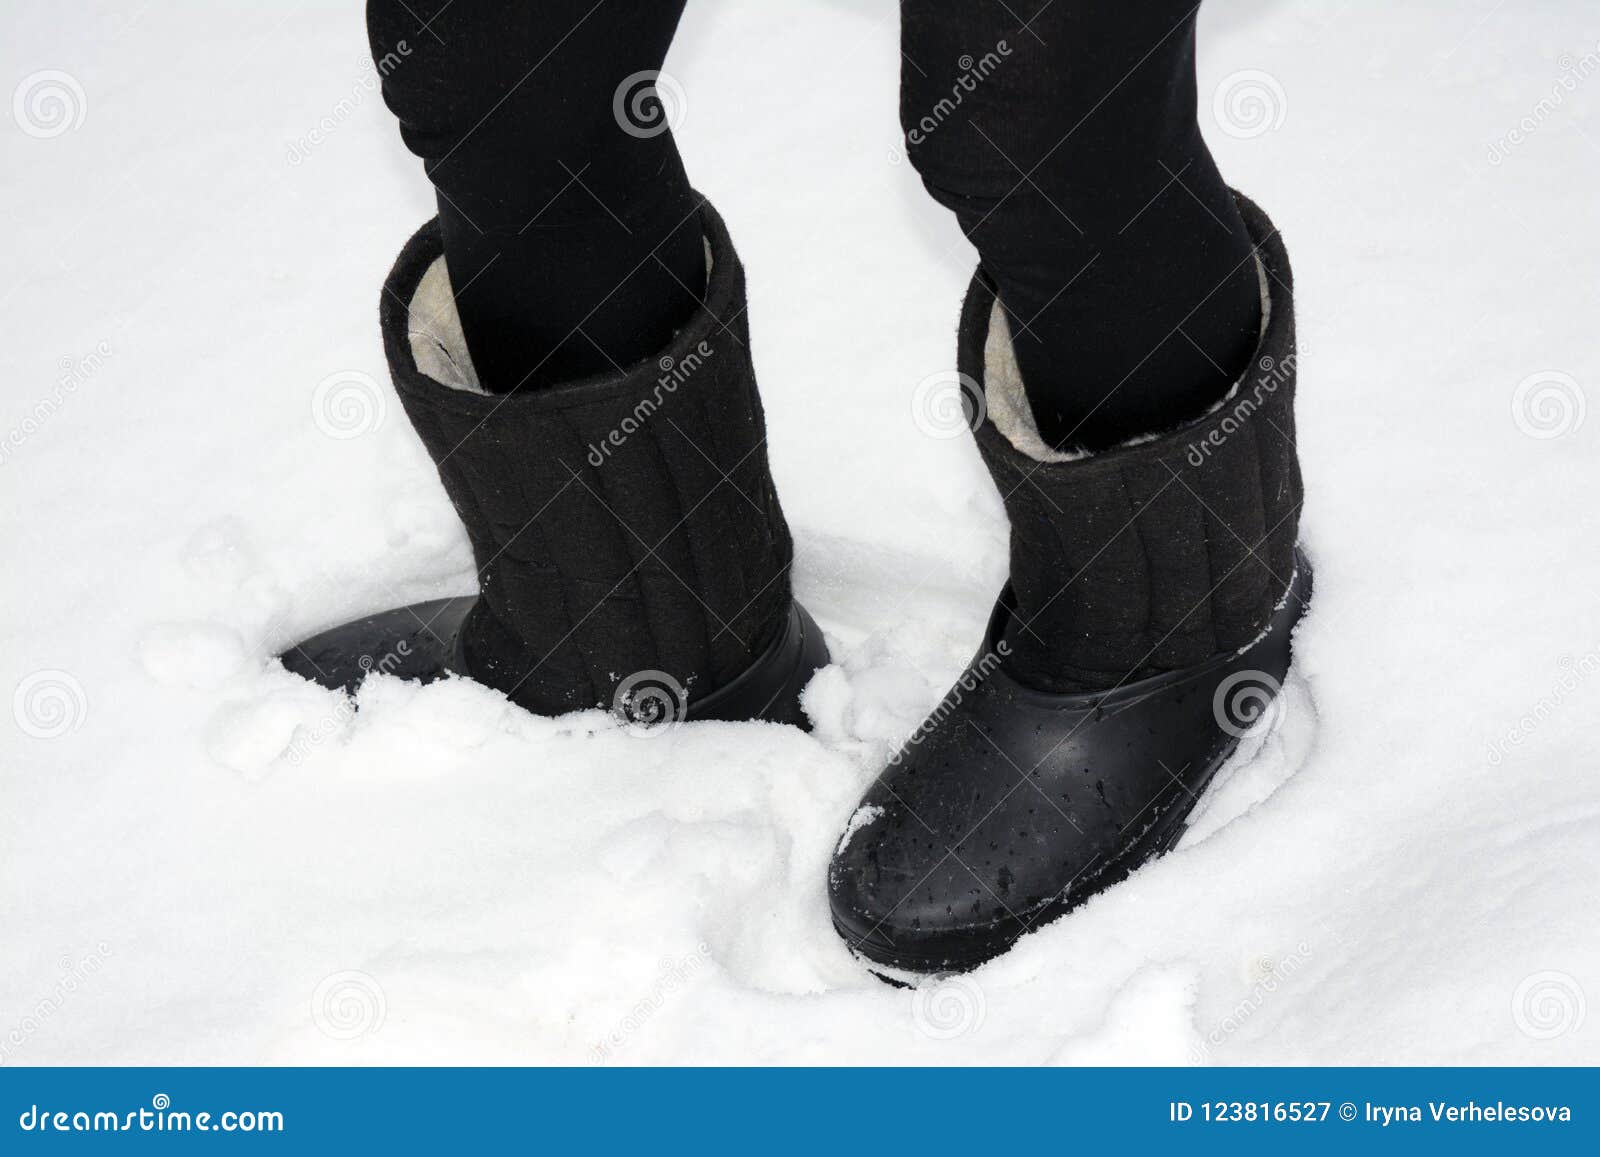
1154 588
630 548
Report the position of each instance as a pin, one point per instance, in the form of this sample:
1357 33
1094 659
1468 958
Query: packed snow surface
207 860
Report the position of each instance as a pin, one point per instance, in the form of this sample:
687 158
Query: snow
206 860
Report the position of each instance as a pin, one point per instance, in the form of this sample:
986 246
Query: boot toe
414 642
939 923
1015 805
917 886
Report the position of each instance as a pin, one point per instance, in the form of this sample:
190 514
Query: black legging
573 246
1062 133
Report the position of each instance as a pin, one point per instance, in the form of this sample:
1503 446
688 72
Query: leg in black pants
571 236
1063 135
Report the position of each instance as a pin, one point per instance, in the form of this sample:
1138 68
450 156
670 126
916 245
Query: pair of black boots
632 553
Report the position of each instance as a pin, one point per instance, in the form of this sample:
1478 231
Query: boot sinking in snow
1075 746
630 547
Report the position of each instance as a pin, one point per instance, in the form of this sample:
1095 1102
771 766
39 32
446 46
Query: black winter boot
630 547
1154 588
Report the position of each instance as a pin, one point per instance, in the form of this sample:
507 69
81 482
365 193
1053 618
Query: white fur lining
433 327
1006 400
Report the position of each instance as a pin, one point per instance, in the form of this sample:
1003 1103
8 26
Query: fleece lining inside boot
433 327
1006 396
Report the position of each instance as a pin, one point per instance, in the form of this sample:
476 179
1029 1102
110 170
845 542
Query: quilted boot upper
621 523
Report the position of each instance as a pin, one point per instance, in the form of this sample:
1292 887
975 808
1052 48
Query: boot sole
421 642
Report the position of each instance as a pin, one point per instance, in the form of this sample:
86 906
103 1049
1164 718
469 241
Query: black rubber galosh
1016 805
414 642
422 642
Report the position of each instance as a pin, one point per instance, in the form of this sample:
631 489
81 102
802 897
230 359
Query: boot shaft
621 523
1160 553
